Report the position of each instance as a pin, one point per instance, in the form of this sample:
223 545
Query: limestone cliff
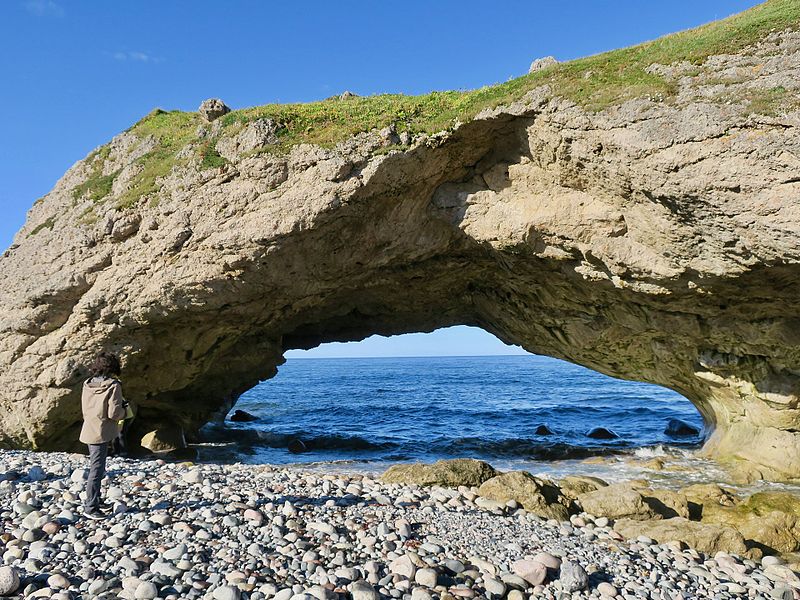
652 238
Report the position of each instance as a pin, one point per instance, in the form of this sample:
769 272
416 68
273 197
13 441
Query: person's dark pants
97 470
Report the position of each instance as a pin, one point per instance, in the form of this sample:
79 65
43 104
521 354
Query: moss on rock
769 521
700 536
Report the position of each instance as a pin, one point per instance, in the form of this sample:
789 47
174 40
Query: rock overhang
653 241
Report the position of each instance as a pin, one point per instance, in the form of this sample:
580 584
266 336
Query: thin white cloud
43 8
136 57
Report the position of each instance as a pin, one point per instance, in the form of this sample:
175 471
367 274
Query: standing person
103 407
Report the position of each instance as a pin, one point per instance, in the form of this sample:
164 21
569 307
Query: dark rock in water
241 416
601 433
182 454
297 447
543 430
678 428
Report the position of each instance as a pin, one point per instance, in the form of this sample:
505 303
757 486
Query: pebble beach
227 532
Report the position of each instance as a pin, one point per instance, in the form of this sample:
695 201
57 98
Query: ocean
366 413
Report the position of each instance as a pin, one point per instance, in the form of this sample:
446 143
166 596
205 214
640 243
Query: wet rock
297 447
241 416
707 494
677 428
601 433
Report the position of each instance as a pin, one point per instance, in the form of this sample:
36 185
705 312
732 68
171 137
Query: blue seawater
384 410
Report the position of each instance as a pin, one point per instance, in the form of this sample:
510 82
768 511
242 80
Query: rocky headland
633 212
449 531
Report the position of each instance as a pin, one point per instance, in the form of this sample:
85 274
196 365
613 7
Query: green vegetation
97 186
594 82
88 216
210 158
48 224
172 131
769 102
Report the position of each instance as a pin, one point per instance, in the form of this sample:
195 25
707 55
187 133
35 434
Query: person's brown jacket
103 407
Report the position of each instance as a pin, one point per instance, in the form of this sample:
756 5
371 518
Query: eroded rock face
651 241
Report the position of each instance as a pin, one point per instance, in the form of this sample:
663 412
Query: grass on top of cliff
595 82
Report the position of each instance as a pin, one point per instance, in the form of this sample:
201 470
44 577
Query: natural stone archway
650 241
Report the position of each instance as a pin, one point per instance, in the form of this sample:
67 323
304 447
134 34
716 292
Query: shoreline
231 531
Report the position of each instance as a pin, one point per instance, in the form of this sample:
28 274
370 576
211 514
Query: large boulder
769 521
212 109
535 495
444 473
164 439
629 500
700 536
667 503
542 63
709 493
573 486
618 501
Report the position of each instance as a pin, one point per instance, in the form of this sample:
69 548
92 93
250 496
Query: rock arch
651 241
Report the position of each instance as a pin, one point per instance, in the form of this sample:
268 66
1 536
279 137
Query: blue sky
75 73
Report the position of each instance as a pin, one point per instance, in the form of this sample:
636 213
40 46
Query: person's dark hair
105 365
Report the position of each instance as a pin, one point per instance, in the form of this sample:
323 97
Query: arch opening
456 392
